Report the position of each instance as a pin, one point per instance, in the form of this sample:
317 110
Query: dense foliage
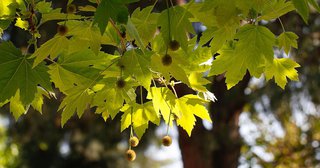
155 51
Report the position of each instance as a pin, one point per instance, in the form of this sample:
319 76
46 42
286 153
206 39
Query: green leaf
57 15
173 70
218 36
134 34
6 7
315 4
178 27
18 74
302 8
200 15
114 9
77 100
254 48
140 115
190 106
281 69
110 99
53 48
137 64
195 59
286 40
222 13
145 22
4 24
197 82
108 102
87 8
77 76
22 24
162 99
69 2
84 32
222 25
16 106
38 101
276 9
256 5
141 130
43 7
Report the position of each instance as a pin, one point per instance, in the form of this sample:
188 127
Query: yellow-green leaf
286 40
190 106
22 24
53 48
281 69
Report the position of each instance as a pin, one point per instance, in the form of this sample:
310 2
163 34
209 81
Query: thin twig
123 45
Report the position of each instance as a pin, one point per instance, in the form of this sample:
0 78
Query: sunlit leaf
281 69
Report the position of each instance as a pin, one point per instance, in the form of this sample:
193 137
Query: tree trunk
220 146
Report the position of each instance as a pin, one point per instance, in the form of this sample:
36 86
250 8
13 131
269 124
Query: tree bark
220 146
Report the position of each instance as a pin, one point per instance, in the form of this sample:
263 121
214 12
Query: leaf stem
168 124
131 126
122 41
50 60
141 98
169 23
282 26
174 90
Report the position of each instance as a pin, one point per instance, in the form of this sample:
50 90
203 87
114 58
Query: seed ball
174 45
123 34
131 155
62 30
134 141
166 60
71 8
166 140
121 83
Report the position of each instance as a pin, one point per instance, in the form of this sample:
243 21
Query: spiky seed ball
166 140
174 45
134 141
131 155
166 60
71 8
123 34
62 30
122 67
121 83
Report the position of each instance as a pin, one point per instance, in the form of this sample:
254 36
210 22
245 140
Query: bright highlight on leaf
281 69
22 24
163 102
188 107
140 115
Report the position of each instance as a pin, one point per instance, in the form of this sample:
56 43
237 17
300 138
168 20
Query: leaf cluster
155 52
